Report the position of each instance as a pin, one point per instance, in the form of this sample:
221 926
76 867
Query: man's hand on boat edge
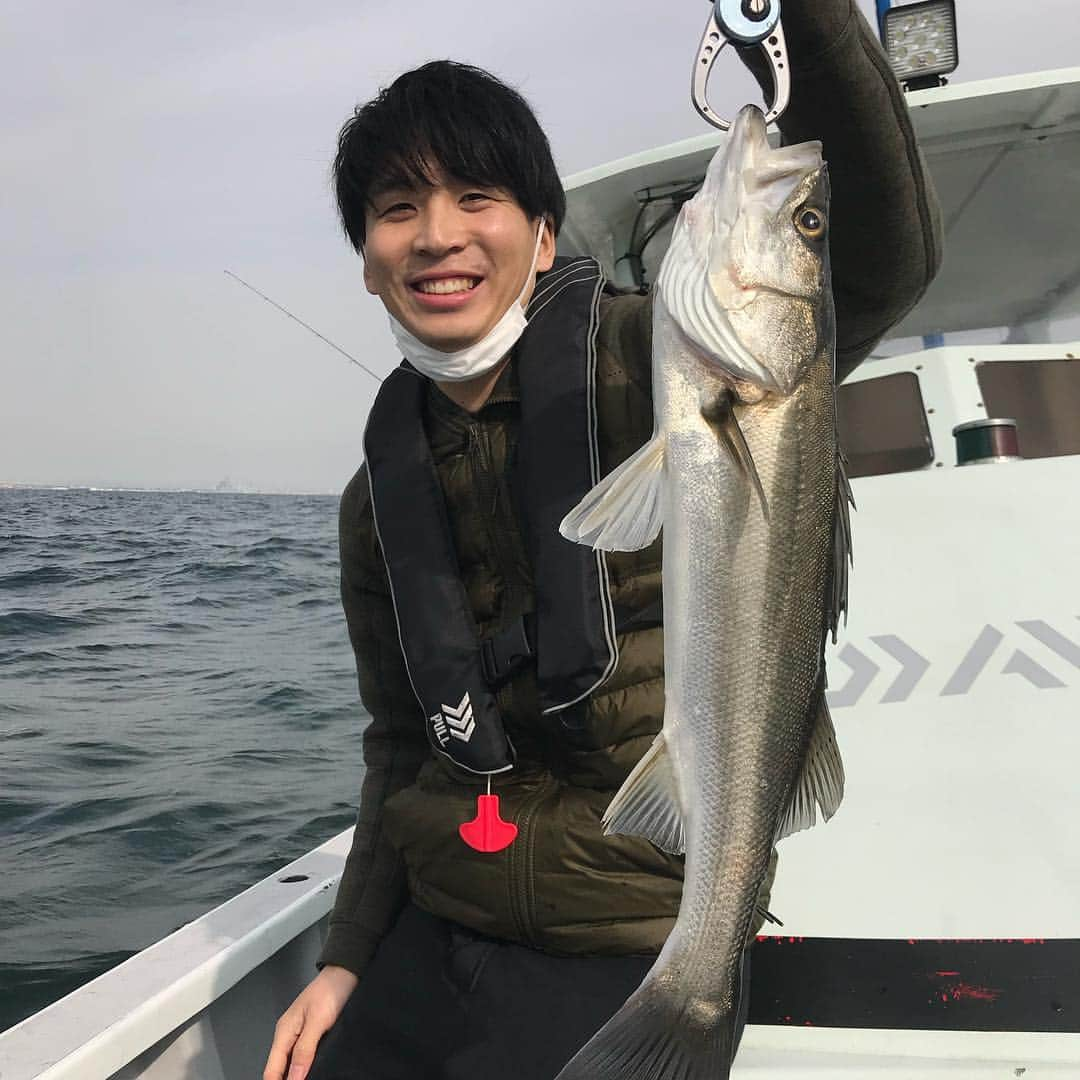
305 1021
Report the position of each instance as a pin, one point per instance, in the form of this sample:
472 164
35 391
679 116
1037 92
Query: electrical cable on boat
683 192
321 337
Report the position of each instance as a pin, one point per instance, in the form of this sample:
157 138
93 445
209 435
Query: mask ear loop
532 268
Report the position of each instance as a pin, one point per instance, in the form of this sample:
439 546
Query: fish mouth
750 124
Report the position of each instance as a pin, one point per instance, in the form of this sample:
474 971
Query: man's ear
369 279
546 256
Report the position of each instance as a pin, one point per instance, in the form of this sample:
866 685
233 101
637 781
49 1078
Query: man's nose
441 230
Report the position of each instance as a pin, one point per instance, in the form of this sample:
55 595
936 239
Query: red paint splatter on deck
946 974
781 939
966 992
977 941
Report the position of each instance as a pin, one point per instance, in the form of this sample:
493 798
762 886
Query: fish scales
718 689
745 476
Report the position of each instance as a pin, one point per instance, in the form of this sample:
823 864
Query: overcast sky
149 147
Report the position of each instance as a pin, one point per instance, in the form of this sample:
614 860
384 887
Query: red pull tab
487 831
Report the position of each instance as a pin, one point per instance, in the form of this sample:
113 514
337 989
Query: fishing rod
295 318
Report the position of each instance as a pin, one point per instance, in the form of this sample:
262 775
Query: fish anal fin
624 511
720 416
821 782
648 804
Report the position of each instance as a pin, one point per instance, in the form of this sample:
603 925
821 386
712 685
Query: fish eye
810 222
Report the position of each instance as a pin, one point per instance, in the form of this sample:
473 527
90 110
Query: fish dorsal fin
625 510
648 803
821 782
838 599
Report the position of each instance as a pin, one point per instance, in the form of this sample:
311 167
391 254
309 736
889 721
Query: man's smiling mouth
441 286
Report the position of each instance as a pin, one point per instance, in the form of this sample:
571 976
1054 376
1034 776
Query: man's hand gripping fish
745 476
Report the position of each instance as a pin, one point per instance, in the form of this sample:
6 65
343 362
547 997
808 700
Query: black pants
440 1002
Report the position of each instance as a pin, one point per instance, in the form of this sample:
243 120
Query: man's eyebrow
391 186
398 177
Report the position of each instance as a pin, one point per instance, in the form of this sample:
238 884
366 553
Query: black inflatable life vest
572 631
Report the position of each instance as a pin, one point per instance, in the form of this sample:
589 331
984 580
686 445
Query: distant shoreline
100 488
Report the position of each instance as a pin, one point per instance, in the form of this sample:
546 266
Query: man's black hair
458 117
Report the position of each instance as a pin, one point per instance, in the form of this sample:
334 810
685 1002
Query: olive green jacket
562 886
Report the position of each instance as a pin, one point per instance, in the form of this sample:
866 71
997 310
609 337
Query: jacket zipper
520 866
490 486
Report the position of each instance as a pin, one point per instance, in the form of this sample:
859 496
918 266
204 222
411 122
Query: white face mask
481 356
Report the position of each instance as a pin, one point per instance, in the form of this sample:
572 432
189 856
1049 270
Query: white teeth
447 285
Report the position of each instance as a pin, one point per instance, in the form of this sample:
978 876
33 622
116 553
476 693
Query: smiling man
454 262
492 655
443 257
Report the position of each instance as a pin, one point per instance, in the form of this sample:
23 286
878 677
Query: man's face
448 260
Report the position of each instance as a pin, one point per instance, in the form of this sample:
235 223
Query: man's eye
474 196
395 208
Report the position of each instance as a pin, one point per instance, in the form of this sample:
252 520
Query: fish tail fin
625 510
655 1036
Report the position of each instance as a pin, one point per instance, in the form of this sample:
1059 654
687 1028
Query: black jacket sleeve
885 228
373 888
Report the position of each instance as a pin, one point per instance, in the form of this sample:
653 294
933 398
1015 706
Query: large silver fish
745 476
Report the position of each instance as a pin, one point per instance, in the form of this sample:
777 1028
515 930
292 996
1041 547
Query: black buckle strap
506 652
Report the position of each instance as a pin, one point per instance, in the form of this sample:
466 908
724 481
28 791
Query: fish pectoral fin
720 416
625 510
648 804
821 782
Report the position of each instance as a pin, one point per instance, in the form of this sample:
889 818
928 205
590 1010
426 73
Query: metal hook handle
747 22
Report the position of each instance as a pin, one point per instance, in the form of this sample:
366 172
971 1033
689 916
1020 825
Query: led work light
920 40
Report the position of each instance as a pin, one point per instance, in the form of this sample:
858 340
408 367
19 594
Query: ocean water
178 716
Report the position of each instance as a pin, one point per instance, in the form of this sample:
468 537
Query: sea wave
28 987
39 623
35 577
179 712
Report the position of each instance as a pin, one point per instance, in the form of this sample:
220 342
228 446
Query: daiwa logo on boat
454 723
1033 652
